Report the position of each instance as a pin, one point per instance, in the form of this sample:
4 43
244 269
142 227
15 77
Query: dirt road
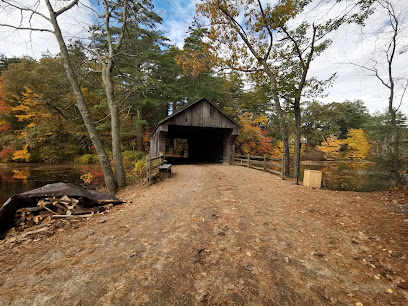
219 235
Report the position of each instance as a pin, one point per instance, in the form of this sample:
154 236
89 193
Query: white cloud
353 44
177 16
74 24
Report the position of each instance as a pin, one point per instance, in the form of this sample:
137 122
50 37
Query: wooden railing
263 163
152 166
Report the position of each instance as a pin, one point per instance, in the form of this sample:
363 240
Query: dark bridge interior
205 145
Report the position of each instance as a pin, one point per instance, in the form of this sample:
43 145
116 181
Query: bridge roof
173 117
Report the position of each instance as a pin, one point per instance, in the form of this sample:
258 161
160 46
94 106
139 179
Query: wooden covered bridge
209 132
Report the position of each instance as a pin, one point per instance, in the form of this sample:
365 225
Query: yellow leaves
357 144
331 147
30 109
22 154
21 174
87 178
21 134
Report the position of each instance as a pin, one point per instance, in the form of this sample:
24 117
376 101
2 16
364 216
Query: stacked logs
53 208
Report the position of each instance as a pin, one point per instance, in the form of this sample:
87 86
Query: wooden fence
152 166
263 163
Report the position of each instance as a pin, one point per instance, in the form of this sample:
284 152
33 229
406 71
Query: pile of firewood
53 208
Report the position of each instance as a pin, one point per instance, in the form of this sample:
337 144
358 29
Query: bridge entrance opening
191 144
205 135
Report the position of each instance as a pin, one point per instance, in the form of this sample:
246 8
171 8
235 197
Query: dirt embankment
225 235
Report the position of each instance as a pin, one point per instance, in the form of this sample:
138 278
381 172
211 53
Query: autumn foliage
331 147
253 137
356 145
4 109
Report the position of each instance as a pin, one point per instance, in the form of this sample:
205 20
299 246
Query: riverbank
220 235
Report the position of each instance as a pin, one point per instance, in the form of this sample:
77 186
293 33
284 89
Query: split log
71 216
29 209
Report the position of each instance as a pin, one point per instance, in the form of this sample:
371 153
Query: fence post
248 161
148 170
283 169
264 163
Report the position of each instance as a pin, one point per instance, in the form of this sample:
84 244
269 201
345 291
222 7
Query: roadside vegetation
130 76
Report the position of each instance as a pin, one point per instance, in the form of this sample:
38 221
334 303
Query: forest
98 100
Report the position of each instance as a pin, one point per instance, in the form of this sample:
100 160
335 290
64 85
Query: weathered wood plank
274 165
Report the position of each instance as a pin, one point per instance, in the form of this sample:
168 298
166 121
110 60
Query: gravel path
218 235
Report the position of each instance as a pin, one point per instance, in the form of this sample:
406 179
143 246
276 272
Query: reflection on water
17 178
355 176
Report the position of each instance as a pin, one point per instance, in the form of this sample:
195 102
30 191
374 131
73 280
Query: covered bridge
210 133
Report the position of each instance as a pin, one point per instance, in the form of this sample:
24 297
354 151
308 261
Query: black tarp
29 199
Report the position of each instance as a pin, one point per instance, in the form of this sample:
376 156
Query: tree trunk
115 124
282 121
394 142
82 107
298 132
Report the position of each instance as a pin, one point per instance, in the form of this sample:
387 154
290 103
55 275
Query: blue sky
177 17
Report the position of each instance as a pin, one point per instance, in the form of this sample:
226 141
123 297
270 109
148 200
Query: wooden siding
201 114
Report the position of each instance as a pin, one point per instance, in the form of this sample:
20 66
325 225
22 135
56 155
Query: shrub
134 156
92 176
87 159
6 154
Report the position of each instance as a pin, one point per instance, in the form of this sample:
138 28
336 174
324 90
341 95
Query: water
352 176
356 176
18 178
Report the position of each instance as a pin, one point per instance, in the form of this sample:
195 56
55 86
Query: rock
403 285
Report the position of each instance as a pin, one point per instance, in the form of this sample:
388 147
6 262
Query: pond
17 178
356 176
350 175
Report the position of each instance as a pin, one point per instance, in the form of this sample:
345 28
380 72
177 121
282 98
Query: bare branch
374 70
25 9
26 28
402 96
66 8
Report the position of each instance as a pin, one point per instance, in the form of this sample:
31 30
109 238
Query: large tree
122 22
52 17
245 31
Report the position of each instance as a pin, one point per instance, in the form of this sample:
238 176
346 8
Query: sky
351 44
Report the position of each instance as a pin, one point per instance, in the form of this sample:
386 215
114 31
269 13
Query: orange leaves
331 147
253 137
195 62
